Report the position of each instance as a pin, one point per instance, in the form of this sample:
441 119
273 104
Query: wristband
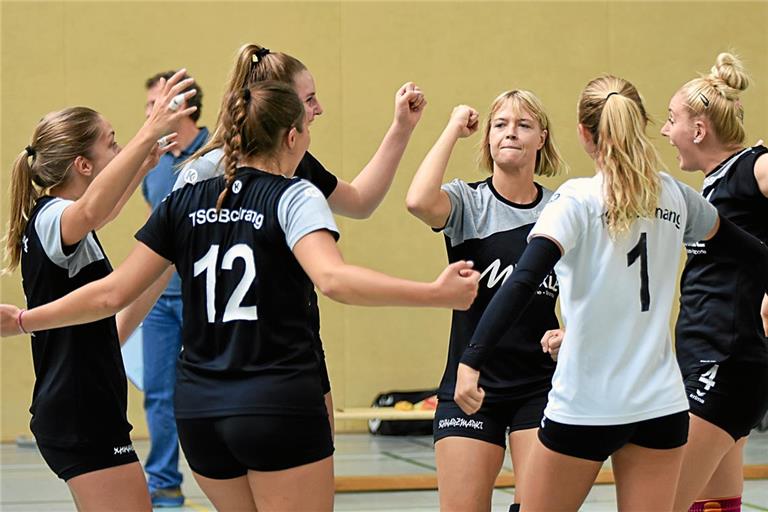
18 321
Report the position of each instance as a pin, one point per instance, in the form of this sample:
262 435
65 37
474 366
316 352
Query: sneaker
167 497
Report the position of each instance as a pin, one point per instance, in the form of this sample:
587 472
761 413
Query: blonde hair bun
729 70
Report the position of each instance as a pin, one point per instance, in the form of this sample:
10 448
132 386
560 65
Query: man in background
161 329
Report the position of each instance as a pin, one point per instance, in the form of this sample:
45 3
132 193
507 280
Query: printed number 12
641 251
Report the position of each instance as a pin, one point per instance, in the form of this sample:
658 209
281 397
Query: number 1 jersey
616 363
247 334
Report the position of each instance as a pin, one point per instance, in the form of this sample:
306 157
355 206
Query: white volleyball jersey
616 363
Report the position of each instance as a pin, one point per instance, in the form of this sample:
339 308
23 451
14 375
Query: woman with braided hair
721 342
357 199
250 247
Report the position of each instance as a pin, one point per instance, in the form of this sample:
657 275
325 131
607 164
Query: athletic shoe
167 498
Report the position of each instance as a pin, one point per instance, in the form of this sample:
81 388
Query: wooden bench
381 413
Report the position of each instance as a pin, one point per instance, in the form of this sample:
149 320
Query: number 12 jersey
247 323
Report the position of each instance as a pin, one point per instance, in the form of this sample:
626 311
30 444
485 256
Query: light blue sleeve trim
702 215
48 229
204 168
454 225
303 209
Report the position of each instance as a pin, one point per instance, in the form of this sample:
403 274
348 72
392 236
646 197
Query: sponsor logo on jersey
237 186
494 276
122 450
696 248
668 215
25 243
190 176
225 215
312 192
460 423
548 287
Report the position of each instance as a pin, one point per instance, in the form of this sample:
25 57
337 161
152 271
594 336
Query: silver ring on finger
176 102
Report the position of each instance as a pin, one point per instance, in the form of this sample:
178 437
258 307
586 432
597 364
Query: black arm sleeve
733 244
508 304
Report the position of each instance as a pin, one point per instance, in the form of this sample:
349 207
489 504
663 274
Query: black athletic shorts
731 396
598 442
492 422
229 446
71 462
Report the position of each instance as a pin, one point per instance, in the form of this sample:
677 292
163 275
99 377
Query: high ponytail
59 138
23 197
612 111
253 64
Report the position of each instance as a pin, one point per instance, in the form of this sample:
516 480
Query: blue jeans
162 342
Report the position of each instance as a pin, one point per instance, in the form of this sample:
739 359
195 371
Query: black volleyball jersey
80 395
720 301
248 334
210 165
489 230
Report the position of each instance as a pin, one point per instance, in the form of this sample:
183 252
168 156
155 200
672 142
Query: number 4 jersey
616 363
247 333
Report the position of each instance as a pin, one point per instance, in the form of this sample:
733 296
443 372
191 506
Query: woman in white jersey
721 344
614 241
487 222
250 247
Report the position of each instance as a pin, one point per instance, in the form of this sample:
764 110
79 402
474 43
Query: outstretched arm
104 194
425 199
97 300
129 318
318 255
360 198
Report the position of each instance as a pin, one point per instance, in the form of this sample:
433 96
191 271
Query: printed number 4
708 378
234 309
641 251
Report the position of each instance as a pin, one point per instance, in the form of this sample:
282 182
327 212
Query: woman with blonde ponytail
357 199
721 345
71 180
614 241
250 247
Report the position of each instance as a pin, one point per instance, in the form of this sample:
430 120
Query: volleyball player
721 344
487 222
72 179
248 247
357 199
614 241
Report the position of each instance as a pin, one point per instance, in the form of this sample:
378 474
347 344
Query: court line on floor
752 505
409 460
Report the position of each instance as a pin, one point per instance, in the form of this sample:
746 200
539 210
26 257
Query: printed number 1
641 251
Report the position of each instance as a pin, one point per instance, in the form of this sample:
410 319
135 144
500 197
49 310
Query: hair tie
704 100
247 95
610 94
259 54
30 151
